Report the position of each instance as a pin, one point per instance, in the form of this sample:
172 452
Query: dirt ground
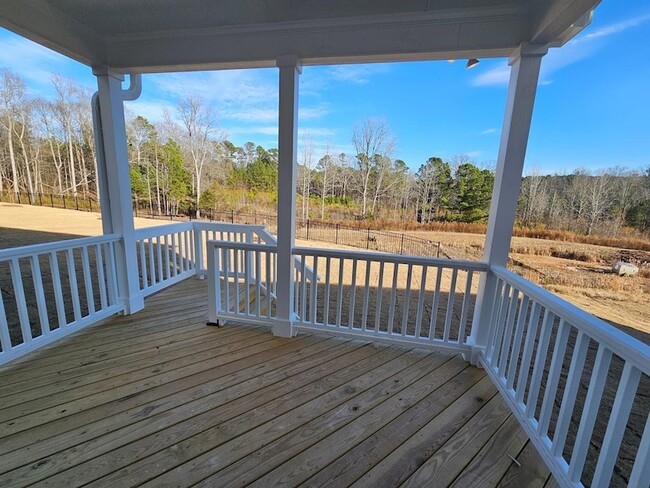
579 273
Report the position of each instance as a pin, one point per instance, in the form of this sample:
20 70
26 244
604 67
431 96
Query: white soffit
174 35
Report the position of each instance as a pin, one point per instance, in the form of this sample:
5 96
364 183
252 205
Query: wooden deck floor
159 399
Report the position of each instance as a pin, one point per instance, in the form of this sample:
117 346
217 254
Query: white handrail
22 251
533 336
620 343
87 294
392 258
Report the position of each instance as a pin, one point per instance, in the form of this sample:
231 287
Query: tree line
185 163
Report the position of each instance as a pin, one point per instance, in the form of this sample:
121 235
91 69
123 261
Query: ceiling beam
486 32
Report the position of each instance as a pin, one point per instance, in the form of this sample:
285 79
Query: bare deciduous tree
200 127
373 142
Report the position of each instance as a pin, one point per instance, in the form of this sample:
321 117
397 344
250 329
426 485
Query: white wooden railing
242 284
50 290
166 255
408 299
170 253
553 363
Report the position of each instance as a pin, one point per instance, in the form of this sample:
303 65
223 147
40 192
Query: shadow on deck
160 399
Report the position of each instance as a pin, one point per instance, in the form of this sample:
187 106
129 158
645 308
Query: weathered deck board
159 398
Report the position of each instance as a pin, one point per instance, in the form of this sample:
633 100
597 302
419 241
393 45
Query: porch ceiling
167 35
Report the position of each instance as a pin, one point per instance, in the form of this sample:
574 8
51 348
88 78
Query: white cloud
357 74
485 132
316 132
227 88
575 50
37 64
498 75
615 28
268 130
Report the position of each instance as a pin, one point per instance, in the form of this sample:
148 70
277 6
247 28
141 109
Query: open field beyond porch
576 272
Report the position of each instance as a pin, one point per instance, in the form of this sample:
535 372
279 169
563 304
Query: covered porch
159 399
372 373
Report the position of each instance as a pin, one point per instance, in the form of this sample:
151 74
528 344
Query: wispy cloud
486 132
498 75
233 87
615 28
575 50
36 64
357 74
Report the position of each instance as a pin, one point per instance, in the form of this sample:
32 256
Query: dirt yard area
579 273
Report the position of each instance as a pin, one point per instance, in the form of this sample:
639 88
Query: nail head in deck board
532 473
492 461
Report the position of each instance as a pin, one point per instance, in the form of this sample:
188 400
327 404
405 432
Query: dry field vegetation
578 272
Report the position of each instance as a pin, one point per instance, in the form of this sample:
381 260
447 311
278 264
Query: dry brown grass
624 242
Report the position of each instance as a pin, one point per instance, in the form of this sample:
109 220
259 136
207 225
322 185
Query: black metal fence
308 230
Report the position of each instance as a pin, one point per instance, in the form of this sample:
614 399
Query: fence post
307 229
232 216
368 240
51 201
337 234
401 246
19 197
90 204
76 203
64 204
40 199
438 252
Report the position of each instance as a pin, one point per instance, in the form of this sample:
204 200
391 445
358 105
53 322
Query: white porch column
287 148
524 74
115 185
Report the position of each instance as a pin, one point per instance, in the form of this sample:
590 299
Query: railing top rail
159 230
622 344
22 251
391 258
243 246
226 226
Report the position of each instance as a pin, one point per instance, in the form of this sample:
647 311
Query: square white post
287 170
524 75
116 185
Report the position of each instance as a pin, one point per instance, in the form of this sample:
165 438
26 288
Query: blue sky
592 108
